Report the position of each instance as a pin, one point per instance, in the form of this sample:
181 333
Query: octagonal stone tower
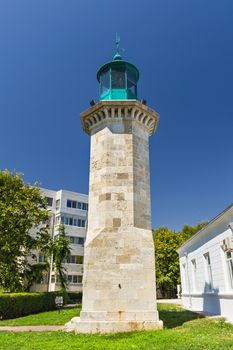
119 292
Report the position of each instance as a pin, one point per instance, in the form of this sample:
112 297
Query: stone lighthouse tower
119 292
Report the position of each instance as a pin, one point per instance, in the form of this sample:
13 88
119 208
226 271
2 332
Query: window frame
48 201
208 273
229 263
58 204
194 274
74 279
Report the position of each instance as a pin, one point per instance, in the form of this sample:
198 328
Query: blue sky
50 51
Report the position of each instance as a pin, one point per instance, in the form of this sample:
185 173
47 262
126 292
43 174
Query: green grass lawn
43 318
184 330
179 316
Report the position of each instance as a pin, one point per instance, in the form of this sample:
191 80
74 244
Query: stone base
79 326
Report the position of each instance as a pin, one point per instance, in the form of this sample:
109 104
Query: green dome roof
118 62
117 57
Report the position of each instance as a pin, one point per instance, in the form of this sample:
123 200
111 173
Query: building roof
76 193
205 229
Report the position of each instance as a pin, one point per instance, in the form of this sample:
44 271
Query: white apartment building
68 208
206 264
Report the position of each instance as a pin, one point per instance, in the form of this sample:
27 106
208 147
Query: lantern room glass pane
131 87
118 78
105 81
131 82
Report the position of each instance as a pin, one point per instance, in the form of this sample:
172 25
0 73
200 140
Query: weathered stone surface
119 291
111 326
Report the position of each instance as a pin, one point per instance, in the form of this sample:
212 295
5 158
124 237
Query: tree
60 250
166 258
22 208
34 274
188 231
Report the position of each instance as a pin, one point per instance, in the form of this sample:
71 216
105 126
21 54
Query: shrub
75 297
21 304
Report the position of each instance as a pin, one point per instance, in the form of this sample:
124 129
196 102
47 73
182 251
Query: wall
195 291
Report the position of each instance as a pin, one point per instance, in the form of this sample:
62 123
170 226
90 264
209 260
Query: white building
206 263
68 208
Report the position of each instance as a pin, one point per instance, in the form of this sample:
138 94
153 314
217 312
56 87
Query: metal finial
117 44
117 56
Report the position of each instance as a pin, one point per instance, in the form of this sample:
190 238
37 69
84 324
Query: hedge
75 297
14 305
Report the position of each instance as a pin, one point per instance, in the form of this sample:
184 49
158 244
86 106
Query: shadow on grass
172 316
176 316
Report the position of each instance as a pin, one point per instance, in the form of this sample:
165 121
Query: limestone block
91 327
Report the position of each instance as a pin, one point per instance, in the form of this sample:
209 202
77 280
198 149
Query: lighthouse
119 290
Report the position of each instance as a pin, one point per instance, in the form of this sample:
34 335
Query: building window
80 240
71 239
229 260
71 259
57 220
42 280
184 282
71 204
53 279
75 279
58 202
81 223
79 259
75 259
76 240
49 201
41 258
209 278
70 278
194 274
84 206
76 205
68 220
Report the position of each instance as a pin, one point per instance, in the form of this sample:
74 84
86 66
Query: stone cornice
112 111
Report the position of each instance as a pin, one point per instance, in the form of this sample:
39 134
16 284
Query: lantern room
118 80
